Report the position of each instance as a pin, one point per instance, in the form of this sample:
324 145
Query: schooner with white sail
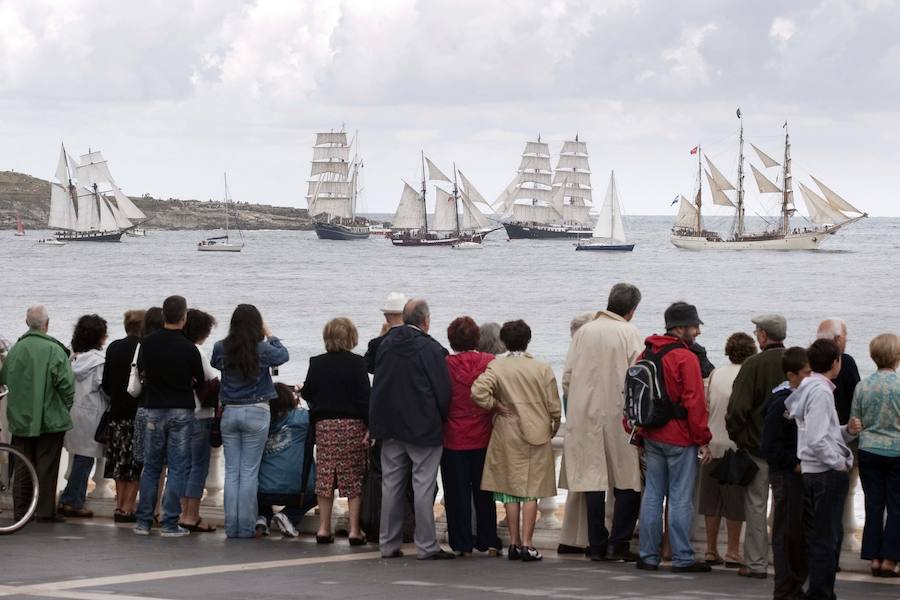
828 213
609 232
333 189
542 204
458 221
86 205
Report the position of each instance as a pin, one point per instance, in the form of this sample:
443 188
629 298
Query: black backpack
647 402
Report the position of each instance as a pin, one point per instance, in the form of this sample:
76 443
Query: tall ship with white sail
827 213
86 205
609 232
542 204
458 221
333 191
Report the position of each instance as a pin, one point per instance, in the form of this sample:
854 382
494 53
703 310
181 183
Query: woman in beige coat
519 467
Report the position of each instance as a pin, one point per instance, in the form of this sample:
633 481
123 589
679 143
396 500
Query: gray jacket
821 439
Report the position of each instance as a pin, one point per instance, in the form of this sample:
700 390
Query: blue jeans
244 433
198 467
76 484
671 471
167 438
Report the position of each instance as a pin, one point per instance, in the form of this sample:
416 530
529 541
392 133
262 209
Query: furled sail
435 174
609 223
718 195
445 218
62 211
763 183
834 200
767 160
411 210
687 214
820 211
722 182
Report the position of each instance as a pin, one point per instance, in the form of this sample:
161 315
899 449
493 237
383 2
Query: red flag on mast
694 149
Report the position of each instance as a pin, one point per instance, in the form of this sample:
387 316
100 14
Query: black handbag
215 429
101 435
735 468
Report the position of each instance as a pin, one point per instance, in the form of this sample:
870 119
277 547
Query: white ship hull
220 248
798 241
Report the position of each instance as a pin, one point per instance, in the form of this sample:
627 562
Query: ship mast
787 192
424 197
739 229
225 176
699 190
456 200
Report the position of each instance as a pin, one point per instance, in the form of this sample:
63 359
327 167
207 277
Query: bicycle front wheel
18 489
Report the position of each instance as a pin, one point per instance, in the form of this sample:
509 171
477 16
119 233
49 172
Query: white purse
135 385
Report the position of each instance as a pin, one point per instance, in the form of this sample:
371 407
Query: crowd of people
794 423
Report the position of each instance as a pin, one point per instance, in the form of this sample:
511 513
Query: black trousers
295 505
790 516
44 452
880 477
461 472
625 515
826 493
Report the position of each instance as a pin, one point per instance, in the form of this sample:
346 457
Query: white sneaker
173 533
284 525
262 526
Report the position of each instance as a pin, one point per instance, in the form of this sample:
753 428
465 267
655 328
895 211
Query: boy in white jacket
825 461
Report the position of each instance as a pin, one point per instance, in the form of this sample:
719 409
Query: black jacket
115 377
411 391
172 370
779 435
844 386
337 387
372 352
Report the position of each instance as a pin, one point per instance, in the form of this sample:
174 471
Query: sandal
198 527
733 561
713 559
360 541
324 539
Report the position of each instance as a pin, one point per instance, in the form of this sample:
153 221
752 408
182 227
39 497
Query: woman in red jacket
466 436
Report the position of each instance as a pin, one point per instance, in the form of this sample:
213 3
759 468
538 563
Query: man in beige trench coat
597 455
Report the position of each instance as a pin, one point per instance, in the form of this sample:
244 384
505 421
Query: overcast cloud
174 93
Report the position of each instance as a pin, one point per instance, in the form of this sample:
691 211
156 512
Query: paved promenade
101 561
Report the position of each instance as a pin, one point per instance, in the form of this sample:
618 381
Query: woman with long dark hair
244 358
87 410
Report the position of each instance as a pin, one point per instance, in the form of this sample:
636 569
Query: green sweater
41 385
759 375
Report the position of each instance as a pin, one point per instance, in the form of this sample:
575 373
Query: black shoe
596 555
530 554
57 518
439 555
696 567
623 555
514 553
566 549
395 554
643 566
324 539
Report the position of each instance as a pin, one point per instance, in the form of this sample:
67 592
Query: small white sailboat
49 242
609 232
20 226
136 232
222 243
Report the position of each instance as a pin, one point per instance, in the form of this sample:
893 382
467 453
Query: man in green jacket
41 391
759 375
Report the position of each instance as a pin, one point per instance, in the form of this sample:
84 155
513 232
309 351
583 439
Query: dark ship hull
535 231
606 247
336 231
90 236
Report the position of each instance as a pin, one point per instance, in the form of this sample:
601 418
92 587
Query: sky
176 93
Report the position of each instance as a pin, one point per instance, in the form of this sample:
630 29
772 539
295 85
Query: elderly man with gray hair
835 329
409 404
759 375
41 392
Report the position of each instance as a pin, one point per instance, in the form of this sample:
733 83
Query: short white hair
36 316
831 329
579 321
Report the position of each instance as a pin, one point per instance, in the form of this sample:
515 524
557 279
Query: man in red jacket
671 451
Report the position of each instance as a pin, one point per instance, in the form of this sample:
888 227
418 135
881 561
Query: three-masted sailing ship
609 232
223 243
828 213
542 204
458 222
86 205
334 189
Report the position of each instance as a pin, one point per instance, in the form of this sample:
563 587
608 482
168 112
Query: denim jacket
235 389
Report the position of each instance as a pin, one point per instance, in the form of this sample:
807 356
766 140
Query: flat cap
775 326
